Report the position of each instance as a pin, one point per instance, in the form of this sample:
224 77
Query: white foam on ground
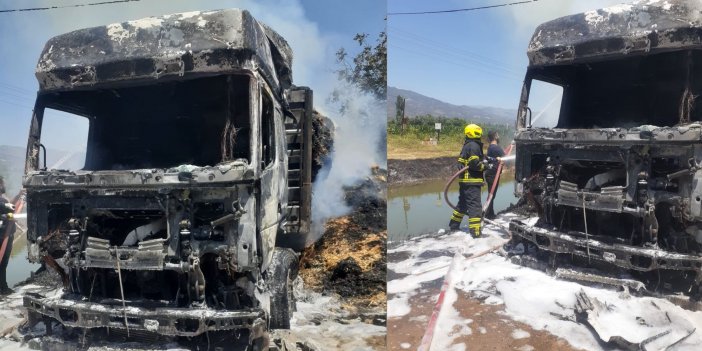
520 334
429 260
430 257
9 345
322 322
399 306
12 314
529 296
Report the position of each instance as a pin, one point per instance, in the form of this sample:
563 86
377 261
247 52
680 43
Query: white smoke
359 120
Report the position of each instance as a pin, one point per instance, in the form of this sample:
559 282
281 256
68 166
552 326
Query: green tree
368 69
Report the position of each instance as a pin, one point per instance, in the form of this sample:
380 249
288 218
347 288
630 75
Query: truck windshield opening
201 122
657 90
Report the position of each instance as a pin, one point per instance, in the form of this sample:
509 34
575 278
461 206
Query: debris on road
650 329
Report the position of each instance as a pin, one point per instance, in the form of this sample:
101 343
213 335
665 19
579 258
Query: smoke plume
359 121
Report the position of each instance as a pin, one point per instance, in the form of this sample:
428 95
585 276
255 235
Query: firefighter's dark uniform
469 183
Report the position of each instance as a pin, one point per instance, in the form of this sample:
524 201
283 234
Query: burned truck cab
170 226
609 153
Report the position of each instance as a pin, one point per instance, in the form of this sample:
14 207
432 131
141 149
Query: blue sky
468 58
315 30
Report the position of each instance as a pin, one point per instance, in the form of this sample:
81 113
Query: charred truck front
197 164
618 180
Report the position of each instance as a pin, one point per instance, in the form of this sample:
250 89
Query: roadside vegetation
415 140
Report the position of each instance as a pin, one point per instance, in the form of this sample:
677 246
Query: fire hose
490 193
428 337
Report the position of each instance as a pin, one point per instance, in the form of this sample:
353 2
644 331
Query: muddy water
420 208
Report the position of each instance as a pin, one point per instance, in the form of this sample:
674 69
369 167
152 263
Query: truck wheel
283 269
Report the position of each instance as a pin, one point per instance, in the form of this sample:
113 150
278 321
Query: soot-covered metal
618 180
198 161
159 47
640 28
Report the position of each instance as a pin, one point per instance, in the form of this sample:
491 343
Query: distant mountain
417 104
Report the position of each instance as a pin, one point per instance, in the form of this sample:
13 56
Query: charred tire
283 270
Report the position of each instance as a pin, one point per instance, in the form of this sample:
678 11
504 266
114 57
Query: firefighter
7 233
494 157
470 181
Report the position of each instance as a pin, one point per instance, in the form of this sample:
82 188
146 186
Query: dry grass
344 239
410 147
339 248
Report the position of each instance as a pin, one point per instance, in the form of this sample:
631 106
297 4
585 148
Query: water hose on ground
428 337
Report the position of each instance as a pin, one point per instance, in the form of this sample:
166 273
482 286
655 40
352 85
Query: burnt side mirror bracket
43 148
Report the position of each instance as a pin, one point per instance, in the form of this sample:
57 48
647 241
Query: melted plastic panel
198 122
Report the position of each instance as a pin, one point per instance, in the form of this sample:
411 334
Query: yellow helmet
473 131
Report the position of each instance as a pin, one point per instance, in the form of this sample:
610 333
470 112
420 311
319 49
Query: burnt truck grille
610 199
149 255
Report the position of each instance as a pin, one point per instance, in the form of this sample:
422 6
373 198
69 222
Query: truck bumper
626 256
164 321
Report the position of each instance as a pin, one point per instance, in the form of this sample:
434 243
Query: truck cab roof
643 27
167 46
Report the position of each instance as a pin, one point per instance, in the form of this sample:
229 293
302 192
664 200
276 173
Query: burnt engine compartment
176 249
635 206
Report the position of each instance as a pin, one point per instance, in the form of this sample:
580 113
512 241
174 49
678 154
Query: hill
417 104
